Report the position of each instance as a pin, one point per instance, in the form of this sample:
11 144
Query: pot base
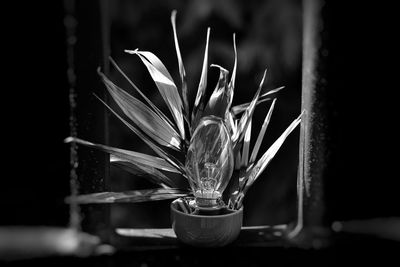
206 230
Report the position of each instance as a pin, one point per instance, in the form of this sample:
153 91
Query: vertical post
70 24
313 130
88 48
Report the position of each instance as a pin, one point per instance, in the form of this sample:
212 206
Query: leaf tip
69 139
132 52
303 114
173 15
265 71
95 95
218 66
102 75
263 78
112 60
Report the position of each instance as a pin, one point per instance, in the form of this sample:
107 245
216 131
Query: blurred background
358 66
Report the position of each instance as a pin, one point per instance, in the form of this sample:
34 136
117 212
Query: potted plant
213 138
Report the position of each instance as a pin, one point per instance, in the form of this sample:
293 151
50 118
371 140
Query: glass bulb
209 161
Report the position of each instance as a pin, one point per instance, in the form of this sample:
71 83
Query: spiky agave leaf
149 122
182 71
134 196
165 85
198 105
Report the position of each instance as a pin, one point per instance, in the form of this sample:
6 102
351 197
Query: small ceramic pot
206 230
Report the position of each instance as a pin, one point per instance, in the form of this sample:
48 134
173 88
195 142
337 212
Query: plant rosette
213 137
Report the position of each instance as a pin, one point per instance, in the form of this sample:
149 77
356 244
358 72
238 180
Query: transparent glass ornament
209 161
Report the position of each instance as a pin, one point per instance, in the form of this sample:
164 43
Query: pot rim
234 212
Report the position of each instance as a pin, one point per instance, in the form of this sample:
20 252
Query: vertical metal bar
313 153
88 48
105 43
70 29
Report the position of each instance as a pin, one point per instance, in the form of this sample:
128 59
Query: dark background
361 72
35 115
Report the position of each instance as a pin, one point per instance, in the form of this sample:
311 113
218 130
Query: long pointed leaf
128 196
272 91
148 121
244 121
238 160
263 162
231 124
201 90
151 104
165 85
221 98
236 110
169 158
182 71
132 156
145 171
264 97
262 133
233 77
246 145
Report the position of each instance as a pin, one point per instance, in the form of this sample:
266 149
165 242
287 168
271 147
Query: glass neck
207 202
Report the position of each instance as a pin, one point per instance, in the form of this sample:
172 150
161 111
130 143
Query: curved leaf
182 71
221 98
148 172
157 110
254 172
201 90
231 123
131 156
261 133
236 110
246 146
165 85
264 97
233 77
169 158
245 119
148 121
